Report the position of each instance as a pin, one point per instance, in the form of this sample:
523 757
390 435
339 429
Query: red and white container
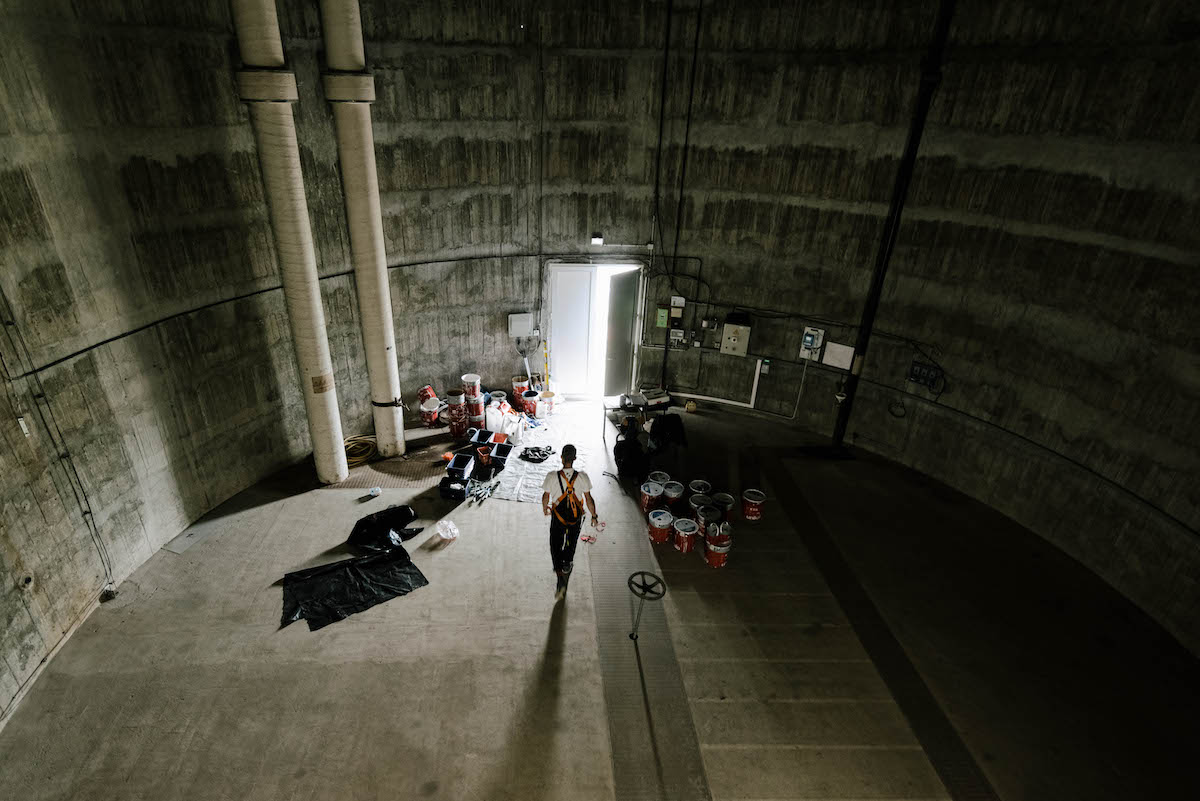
651 496
660 526
499 395
472 384
719 535
458 427
529 401
476 420
699 487
685 535
430 409
752 504
725 502
520 385
425 393
673 496
659 477
475 405
455 397
717 555
545 404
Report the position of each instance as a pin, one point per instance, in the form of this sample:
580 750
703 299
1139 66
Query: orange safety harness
574 505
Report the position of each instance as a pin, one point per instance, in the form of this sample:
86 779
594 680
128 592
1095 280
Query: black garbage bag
329 593
383 531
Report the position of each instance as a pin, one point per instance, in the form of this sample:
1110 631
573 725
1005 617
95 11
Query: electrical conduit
269 90
351 90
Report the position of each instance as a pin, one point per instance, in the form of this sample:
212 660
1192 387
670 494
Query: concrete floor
479 687
476 686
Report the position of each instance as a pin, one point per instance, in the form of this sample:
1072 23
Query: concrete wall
1047 259
1046 254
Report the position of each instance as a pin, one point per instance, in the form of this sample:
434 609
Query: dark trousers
563 539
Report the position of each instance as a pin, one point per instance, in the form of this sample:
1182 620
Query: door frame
550 266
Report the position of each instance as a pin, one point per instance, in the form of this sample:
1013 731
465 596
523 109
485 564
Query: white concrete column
269 92
351 91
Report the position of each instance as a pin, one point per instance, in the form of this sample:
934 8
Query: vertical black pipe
931 76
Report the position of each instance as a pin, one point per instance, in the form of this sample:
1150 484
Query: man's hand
595 522
546 511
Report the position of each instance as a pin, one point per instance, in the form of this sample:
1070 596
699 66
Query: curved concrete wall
1045 252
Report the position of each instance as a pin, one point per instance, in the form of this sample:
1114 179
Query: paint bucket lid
430 405
700 487
754 496
685 526
673 489
520 380
661 518
652 489
499 394
547 396
471 378
658 477
700 501
723 500
530 394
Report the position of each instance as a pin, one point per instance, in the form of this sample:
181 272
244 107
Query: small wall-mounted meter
810 345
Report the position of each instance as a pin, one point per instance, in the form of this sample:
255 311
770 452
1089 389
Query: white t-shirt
582 483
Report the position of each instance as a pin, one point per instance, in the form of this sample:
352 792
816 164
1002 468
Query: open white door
571 290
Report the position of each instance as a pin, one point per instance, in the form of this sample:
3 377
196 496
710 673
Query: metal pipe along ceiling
351 90
269 92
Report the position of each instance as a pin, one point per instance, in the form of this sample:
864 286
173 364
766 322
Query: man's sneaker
561 589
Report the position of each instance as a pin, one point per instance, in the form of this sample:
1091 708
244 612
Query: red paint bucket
659 477
673 495
475 405
651 496
716 555
661 526
476 420
455 397
695 504
710 517
430 409
529 401
520 385
719 535
752 504
685 535
725 502
472 385
699 487
458 428
545 406
425 393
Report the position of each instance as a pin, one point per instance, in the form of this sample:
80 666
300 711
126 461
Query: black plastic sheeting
383 531
329 593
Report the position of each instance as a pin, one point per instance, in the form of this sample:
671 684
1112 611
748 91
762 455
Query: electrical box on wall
810 344
520 325
735 339
662 317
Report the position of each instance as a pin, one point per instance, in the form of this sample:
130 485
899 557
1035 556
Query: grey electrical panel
735 339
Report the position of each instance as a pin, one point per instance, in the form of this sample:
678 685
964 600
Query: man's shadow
528 767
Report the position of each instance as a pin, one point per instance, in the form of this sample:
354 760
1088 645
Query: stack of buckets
472 387
456 409
430 406
679 517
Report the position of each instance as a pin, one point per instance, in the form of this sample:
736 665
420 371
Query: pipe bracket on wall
267 86
349 87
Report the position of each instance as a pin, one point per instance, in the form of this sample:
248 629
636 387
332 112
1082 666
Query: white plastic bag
447 530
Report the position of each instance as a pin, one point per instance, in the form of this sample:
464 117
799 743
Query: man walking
566 486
